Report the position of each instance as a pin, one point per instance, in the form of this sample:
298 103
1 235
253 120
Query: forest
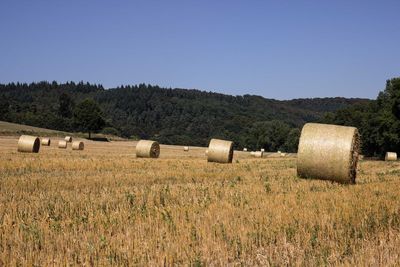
378 121
192 117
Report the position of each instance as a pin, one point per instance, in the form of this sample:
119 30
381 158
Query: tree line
378 121
170 116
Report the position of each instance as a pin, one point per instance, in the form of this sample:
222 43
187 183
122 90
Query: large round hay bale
68 139
46 141
257 154
245 149
328 152
220 151
78 145
29 144
391 156
186 148
147 149
62 144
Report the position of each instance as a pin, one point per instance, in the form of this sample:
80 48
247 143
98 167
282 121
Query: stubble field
103 206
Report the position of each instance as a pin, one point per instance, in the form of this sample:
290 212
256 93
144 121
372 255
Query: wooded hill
171 116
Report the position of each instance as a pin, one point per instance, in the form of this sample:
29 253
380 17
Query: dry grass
104 206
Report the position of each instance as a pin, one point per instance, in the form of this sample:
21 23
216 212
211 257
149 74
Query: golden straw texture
328 152
257 154
391 156
46 141
78 145
29 144
220 151
68 139
147 149
62 144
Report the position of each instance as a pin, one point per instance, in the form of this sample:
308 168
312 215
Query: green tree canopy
88 116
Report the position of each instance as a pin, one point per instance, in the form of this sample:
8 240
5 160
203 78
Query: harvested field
103 206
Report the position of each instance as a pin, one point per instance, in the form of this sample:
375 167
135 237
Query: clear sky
277 49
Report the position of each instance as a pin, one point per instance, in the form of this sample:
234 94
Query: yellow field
103 206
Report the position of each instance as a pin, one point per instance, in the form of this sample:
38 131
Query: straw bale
391 156
147 149
220 151
186 148
328 152
29 144
68 139
78 145
262 150
62 144
257 154
245 149
46 141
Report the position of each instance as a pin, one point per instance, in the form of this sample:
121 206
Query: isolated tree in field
88 116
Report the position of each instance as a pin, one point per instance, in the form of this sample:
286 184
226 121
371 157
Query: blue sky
277 49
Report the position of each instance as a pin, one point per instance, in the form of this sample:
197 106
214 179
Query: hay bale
391 156
262 150
328 152
186 148
257 154
147 149
78 145
62 144
46 141
245 149
68 139
28 144
220 151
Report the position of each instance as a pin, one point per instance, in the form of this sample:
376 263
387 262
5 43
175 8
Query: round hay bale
328 152
28 144
245 149
391 156
262 150
62 144
147 149
220 151
68 139
257 154
186 148
46 141
78 145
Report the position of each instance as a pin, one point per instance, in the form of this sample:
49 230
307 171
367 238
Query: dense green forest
378 121
171 116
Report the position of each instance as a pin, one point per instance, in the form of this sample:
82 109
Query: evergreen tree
65 106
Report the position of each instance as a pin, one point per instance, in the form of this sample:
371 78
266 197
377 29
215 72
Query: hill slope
172 116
